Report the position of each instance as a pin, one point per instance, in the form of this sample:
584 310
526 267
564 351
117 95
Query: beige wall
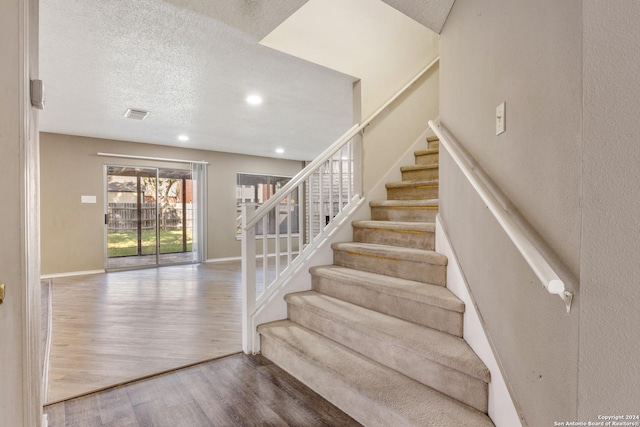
391 134
367 39
12 393
73 233
529 55
610 250
20 397
569 162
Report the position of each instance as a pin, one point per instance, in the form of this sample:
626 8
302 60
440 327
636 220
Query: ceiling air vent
136 114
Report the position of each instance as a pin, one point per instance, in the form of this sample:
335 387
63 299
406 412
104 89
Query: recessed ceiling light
279 150
183 138
254 99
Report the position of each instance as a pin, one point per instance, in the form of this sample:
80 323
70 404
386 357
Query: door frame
29 398
158 252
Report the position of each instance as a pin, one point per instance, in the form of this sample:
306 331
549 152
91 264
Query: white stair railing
298 216
293 220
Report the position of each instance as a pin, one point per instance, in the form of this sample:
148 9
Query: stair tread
425 293
432 139
405 184
405 401
405 203
427 227
409 168
385 251
427 151
445 349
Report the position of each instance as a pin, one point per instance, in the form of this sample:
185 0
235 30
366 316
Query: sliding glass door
150 217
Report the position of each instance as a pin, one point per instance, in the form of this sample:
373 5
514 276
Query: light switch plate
501 119
87 199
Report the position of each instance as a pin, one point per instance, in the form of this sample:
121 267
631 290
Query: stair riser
325 384
412 270
433 144
427 159
402 238
453 383
420 175
405 213
419 192
413 311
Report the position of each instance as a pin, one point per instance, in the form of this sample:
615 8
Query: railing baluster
300 219
341 174
350 165
277 243
310 210
321 210
331 189
289 244
265 251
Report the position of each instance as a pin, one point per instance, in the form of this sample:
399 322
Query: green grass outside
124 244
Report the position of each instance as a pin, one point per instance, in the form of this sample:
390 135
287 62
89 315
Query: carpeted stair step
412 190
406 263
419 172
417 235
433 142
420 303
427 157
371 393
439 360
404 210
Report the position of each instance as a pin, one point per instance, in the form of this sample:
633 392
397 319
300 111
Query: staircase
379 335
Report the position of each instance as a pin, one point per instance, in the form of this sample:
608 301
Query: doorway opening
149 218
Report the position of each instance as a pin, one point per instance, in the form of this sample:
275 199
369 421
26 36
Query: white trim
72 273
216 260
502 409
30 227
47 348
158 159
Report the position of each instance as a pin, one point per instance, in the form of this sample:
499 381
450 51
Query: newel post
248 276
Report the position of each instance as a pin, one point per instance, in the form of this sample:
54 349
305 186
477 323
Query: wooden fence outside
123 217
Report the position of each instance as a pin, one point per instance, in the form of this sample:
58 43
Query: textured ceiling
432 13
192 64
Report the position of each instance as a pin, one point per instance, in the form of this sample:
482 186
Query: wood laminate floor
112 328
238 390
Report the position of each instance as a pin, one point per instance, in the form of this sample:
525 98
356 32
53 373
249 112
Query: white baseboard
72 273
502 409
45 420
215 260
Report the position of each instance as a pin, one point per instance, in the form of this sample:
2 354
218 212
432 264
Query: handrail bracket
567 297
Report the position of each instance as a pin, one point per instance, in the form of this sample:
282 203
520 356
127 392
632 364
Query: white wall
610 250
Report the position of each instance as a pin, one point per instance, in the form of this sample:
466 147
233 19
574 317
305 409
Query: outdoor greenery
126 243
